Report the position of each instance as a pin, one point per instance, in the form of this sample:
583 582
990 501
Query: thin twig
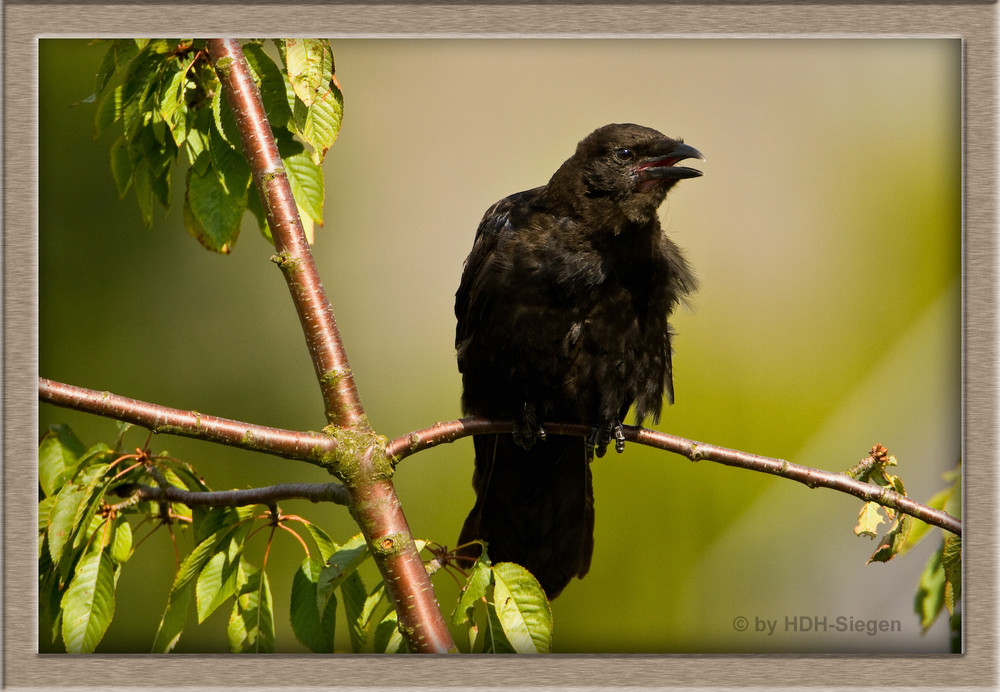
314 492
440 433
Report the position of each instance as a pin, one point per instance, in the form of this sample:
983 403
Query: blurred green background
826 233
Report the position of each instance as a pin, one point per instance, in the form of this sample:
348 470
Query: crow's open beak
662 167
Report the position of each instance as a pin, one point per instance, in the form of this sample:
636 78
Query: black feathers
562 316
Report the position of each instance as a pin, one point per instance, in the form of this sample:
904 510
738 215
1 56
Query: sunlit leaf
58 454
522 609
251 622
313 627
89 603
309 63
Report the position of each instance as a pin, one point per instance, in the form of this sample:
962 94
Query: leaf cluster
504 610
940 583
163 97
88 497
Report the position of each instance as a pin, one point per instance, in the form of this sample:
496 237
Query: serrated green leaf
309 63
225 122
951 562
110 110
232 167
143 187
121 543
387 639
340 565
76 505
217 580
355 595
89 603
321 123
254 206
324 543
173 107
522 609
62 519
930 591
251 622
122 166
210 214
894 540
58 454
210 520
306 180
476 586
313 627
271 83
175 615
97 480
172 623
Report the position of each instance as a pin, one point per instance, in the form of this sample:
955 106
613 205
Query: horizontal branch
440 433
311 447
314 492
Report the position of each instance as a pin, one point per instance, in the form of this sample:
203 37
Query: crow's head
628 167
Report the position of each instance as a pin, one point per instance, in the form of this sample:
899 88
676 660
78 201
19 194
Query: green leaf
324 543
309 63
211 215
143 186
254 205
894 540
313 627
271 83
76 505
217 580
387 639
89 603
868 520
951 562
110 109
340 565
522 609
355 596
173 107
121 543
251 623
225 122
232 167
320 124
306 179
62 519
930 591
172 623
58 455
175 616
473 595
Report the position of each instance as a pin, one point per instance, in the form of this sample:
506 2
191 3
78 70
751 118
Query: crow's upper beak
661 167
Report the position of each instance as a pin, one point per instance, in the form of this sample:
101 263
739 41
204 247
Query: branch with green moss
373 500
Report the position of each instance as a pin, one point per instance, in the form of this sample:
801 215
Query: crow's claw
527 428
619 434
601 435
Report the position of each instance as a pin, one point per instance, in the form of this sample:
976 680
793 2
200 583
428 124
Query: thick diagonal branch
340 395
404 446
373 501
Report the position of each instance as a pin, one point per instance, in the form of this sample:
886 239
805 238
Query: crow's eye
624 154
